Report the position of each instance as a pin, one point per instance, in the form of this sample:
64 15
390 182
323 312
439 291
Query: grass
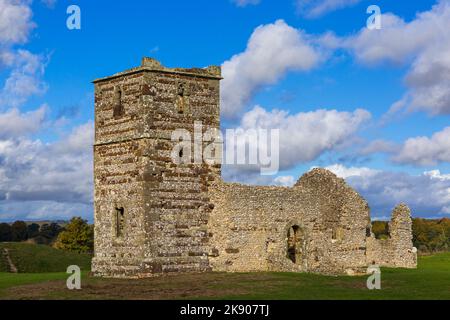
3 263
34 258
430 281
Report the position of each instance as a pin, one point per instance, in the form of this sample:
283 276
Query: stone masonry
153 216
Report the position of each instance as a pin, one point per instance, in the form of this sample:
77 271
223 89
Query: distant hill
62 223
34 258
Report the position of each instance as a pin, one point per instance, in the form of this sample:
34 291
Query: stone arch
295 243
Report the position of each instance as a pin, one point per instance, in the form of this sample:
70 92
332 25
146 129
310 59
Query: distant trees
77 236
50 231
19 231
380 229
5 232
431 235
428 235
33 230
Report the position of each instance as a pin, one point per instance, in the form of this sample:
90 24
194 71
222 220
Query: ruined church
153 216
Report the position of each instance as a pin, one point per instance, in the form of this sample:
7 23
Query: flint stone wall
184 218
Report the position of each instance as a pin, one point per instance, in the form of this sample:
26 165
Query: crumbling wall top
153 65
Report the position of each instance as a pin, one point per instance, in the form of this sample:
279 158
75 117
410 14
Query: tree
19 231
380 229
33 230
5 232
77 236
50 231
431 235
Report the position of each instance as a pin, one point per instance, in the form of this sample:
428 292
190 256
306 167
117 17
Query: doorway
295 241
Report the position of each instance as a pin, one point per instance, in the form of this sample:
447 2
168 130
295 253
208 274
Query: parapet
153 65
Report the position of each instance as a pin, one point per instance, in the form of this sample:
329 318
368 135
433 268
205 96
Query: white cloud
345 172
436 174
306 135
427 194
285 181
25 78
426 151
378 146
51 174
424 43
13 123
317 8
244 3
15 21
272 51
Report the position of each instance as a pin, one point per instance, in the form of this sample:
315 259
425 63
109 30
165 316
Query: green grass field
34 258
430 281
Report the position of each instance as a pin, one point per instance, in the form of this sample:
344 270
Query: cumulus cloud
317 8
26 69
51 174
424 43
346 172
426 151
306 135
284 181
13 123
25 78
244 3
427 194
377 146
272 51
15 21
38 180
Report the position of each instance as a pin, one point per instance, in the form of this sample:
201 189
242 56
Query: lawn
430 281
35 258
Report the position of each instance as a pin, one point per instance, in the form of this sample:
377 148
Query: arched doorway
295 242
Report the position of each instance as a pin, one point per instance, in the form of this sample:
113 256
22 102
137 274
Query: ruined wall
155 216
397 250
249 226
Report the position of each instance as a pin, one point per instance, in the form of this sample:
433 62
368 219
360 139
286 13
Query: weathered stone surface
153 216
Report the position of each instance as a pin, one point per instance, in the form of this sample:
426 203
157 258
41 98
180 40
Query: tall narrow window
180 99
120 221
118 108
337 233
368 230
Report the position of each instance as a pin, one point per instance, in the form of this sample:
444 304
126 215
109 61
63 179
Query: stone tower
150 213
161 206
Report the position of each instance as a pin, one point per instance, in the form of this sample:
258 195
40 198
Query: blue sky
335 67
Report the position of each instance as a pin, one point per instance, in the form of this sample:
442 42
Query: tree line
77 235
21 231
429 235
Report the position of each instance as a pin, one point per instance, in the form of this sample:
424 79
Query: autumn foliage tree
77 236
